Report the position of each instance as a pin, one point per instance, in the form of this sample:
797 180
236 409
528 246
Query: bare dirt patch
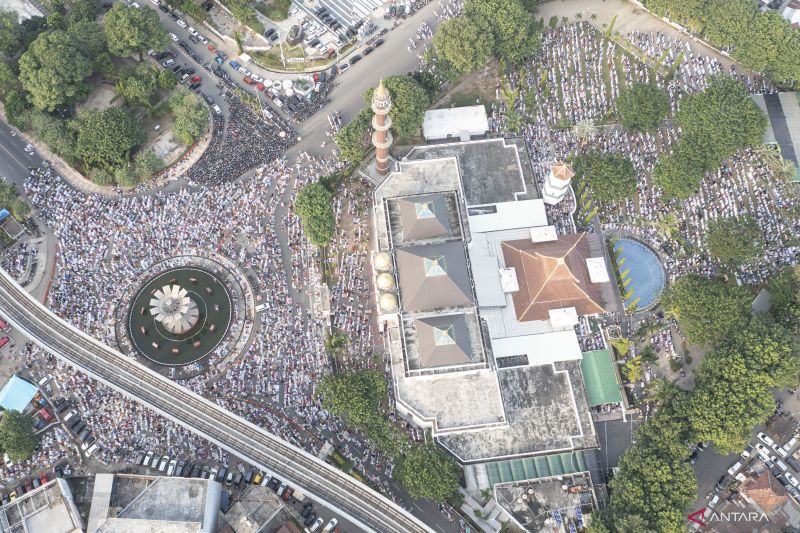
479 87
103 96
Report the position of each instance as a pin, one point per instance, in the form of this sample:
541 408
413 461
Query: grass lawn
271 59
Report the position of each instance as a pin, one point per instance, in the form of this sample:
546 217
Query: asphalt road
14 161
390 59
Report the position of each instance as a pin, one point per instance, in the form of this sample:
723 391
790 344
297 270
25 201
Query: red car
211 48
195 79
316 76
4 340
287 494
260 86
248 80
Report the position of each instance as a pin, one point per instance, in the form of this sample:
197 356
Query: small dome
385 281
388 301
383 261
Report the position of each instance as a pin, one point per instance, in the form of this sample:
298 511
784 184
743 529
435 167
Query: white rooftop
508 280
598 273
542 349
510 215
565 318
460 122
543 234
488 281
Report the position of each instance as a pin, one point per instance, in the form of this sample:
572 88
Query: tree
82 11
352 140
733 387
90 37
716 123
678 176
336 342
784 288
610 177
124 176
8 79
354 395
191 116
10 199
706 309
465 43
145 164
516 35
107 138
409 103
166 80
140 86
425 471
133 31
585 129
641 106
53 71
735 241
654 483
314 206
17 437
10 32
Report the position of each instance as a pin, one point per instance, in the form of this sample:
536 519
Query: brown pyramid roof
433 276
553 275
562 171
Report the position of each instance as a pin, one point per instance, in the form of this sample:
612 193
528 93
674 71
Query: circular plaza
188 309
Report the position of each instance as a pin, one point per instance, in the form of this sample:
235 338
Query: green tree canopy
10 199
466 43
139 87
610 177
516 35
642 106
53 70
107 138
353 139
409 103
735 241
733 387
706 309
716 123
654 483
784 287
131 30
354 395
9 79
10 32
314 206
145 164
425 471
191 116
90 38
17 437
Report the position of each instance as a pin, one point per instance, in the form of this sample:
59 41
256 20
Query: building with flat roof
17 394
559 504
783 118
48 509
131 504
455 123
478 297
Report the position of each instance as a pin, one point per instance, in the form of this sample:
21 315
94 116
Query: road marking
440 528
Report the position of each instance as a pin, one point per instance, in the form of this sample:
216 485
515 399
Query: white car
330 525
193 31
763 436
294 11
243 70
792 479
181 23
134 4
315 525
763 451
780 451
257 78
203 38
216 109
171 467
173 37
154 1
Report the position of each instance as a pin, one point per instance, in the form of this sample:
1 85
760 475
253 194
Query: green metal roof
535 467
601 380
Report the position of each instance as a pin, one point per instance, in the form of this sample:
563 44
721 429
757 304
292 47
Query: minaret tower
381 122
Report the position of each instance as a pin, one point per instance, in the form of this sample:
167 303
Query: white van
91 450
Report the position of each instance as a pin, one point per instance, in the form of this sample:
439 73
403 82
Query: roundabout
180 316
191 311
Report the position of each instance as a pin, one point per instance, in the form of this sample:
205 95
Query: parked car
315 525
216 109
181 23
312 516
173 37
764 437
171 468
